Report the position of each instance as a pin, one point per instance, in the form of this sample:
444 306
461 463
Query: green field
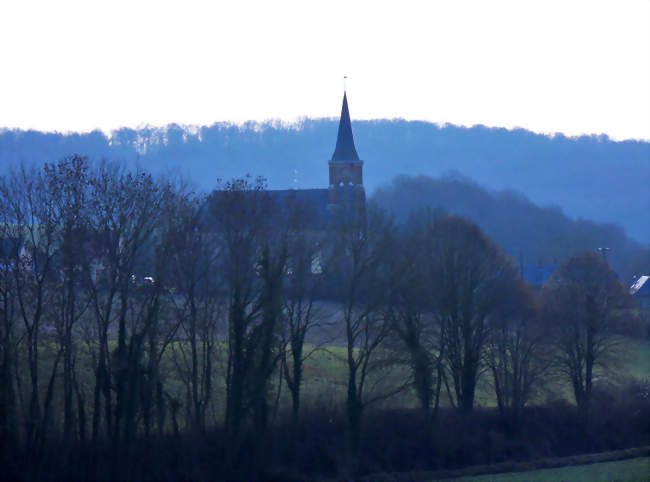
325 376
623 470
637 359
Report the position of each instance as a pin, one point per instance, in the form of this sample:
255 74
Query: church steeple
345 150
346 190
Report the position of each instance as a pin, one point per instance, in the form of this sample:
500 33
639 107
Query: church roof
314 200
345 150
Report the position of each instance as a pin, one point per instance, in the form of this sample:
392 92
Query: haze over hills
530 234
589 177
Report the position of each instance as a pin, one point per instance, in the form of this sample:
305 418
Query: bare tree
68 185
301 286
196 300
125 216
253 264
517 353
155 323
582 301
31 218
9 336
356 267
471 282
409 309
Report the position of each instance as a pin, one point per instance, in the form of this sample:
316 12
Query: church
345 192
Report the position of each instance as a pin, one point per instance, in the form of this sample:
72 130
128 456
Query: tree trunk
422 374
34 402
354 410
295 388
7 400
68 390
235 378
469 388
81 413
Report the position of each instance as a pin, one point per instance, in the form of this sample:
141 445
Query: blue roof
537 275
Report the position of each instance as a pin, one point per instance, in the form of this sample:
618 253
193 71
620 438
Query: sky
576 67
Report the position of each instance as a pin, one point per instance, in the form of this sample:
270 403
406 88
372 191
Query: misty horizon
591 177
298 122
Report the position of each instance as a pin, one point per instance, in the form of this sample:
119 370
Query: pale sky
549 66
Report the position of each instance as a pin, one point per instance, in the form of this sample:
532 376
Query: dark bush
394 440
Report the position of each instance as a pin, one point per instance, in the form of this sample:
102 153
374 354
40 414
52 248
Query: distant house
640 290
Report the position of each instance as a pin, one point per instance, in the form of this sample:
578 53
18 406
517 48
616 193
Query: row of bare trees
75 241
131 306
462 310
126 299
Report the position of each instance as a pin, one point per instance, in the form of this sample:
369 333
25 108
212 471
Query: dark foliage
582 302
393 441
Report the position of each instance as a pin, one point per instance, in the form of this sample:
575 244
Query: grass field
325 378
637 358
325 375
623 470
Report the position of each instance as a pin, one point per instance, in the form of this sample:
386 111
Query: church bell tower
346 170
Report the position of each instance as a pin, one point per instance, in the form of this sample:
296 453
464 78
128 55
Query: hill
592 177
529 233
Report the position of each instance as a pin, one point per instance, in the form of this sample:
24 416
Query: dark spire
345 150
